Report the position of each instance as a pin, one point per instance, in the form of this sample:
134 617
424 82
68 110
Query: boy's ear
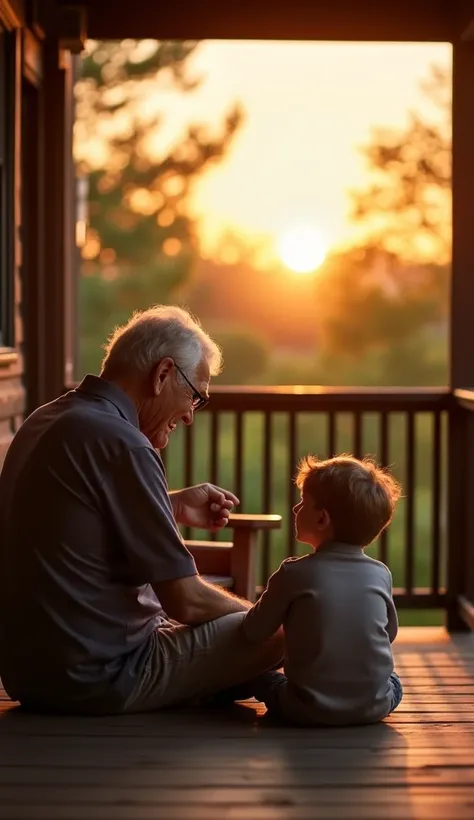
323 520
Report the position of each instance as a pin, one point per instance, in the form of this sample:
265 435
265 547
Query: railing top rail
300 398
310 398
465 398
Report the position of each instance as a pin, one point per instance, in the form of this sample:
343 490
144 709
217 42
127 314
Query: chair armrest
244 552
252 522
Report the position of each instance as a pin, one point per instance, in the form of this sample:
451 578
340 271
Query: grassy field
312 434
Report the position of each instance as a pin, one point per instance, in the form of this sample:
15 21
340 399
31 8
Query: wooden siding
12 393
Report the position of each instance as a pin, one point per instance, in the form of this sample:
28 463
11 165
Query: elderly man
90 553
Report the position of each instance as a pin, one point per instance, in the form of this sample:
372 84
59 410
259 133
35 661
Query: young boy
335 604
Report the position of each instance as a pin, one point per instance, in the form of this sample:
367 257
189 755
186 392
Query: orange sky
309 105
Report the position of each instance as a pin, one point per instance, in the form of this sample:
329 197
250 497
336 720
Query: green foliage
383 307
246 356
140 240
137 192
381 321
367 303
104 304
111 64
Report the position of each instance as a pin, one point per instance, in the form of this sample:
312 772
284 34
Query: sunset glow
302 249
308 109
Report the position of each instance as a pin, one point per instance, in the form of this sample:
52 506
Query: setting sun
302 249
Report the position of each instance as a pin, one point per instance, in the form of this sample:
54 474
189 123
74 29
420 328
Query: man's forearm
215 603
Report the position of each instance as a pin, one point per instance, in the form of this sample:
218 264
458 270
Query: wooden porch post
33 246
461 439
58 216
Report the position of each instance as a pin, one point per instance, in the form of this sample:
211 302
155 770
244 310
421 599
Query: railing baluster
267 488
215 423
292 493
410 508
383 543
188 465
214 447
436 503
357 434
331 434
239 457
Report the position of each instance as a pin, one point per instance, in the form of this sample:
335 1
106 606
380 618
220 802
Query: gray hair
153 334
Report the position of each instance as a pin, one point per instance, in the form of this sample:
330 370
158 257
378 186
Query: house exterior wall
36 209
12 389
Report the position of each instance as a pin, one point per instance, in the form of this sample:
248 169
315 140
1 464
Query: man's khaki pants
192 662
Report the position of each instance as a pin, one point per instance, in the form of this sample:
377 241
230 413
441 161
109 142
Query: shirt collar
97 386
339 546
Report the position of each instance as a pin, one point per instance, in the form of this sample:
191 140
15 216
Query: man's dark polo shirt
86 525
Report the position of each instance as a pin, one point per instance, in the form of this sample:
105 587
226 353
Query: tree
246 356
140 240
380 321
382 314
406 207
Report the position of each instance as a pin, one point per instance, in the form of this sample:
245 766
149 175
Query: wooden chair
233 564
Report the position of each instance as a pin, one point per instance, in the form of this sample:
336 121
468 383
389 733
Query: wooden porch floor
196 766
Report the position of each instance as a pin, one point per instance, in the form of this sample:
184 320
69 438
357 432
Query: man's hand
205 506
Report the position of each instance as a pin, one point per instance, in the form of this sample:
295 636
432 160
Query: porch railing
251 439
461 492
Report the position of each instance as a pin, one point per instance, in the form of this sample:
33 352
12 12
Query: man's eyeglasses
198 401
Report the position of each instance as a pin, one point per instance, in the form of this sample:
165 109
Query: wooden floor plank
155 783
89 797
176 812
433 810
17 763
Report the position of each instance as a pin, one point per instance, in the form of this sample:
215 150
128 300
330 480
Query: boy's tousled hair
359 496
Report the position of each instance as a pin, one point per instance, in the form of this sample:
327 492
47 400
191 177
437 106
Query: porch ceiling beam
346 20
465 19
468 33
